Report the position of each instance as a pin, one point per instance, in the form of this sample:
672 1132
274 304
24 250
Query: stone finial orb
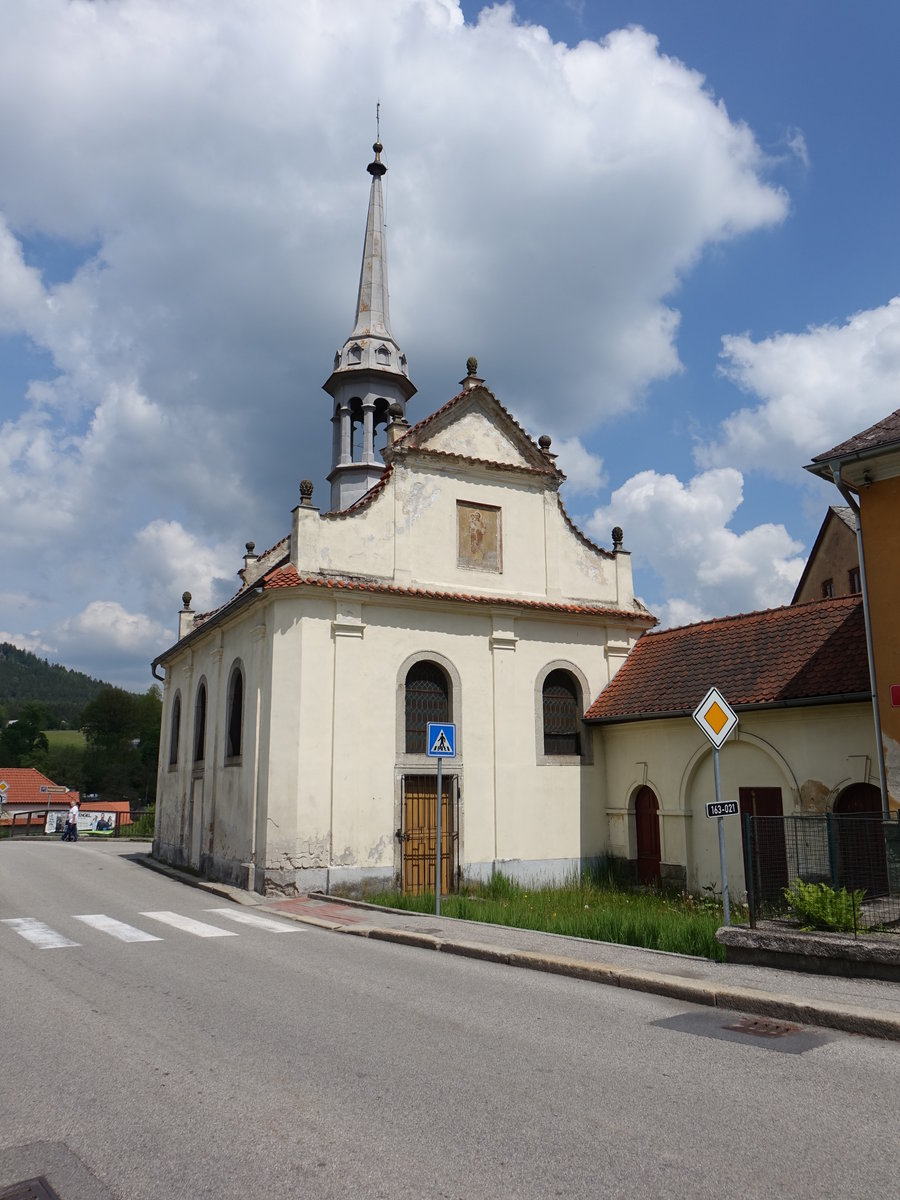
250 547
545 441
186 599
617 537
471 365
395 410
306 491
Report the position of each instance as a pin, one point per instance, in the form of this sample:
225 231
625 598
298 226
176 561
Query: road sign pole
437 850
721 824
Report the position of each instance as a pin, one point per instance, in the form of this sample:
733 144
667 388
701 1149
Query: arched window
175 731
427 699
235 710
200 724
562 716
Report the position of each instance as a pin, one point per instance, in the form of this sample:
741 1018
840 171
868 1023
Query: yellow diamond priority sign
715 716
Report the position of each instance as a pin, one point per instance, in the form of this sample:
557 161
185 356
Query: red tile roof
802 652
287 577
25 785
883 433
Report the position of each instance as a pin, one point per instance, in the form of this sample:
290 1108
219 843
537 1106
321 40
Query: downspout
835 467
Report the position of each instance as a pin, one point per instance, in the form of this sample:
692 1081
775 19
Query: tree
122 732
25 736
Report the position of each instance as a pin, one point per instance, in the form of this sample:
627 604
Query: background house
832 568
805 743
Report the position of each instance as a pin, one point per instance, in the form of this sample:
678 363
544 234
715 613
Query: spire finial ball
186 599
471 365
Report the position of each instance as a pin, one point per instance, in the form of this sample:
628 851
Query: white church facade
445 582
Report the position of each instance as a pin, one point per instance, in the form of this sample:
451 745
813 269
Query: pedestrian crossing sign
440 740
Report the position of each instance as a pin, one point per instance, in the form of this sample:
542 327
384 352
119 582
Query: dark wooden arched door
860 840
646 815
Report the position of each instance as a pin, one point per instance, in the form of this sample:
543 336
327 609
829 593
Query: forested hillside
25 678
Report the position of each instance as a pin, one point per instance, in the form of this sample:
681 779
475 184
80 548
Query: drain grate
761 1027
30 1189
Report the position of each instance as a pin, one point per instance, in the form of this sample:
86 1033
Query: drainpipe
843 488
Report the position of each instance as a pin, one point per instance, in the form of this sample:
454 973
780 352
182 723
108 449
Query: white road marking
38 933
249 918
189 925
118 929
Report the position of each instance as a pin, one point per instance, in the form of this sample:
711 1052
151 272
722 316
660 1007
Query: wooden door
646 816
418 834
770 872
862 862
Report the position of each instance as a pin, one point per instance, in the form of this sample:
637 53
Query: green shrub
818 906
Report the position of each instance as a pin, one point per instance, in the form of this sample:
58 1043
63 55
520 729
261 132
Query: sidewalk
866 1006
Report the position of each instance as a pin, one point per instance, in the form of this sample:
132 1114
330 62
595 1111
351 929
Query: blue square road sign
440 740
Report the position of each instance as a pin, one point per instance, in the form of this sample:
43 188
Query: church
442 581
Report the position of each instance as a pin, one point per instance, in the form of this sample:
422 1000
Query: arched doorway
646 817
860 840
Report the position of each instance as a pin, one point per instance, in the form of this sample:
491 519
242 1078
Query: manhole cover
761 1027
30 1189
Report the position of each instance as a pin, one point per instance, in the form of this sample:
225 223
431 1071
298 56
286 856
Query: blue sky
667 231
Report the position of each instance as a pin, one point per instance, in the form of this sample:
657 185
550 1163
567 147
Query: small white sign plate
715 716
722 808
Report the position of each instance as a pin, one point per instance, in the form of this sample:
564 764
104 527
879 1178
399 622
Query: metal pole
437 865
721 823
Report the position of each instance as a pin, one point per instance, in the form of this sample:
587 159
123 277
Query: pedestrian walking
70 833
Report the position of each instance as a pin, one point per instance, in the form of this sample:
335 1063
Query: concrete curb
225 890
848 1019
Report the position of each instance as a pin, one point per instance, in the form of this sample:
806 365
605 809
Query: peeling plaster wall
408 535
475 436
811 753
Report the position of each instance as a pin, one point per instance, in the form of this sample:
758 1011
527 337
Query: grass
57 738
594 907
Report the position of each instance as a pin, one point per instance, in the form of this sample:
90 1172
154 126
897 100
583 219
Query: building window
234 728
427 699
827 589
855 584
562 716
200 724
175 731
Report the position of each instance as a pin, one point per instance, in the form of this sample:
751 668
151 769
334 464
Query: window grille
235 714
200 725
561 714
427 699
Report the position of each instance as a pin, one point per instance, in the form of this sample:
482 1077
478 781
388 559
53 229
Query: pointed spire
373 316
370 371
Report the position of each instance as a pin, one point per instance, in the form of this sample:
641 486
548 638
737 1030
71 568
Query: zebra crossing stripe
39 934
118 929
254 919
189 925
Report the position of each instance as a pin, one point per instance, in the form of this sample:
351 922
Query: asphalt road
304 1064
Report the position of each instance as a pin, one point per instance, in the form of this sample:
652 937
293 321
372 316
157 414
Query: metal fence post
832 849
751 890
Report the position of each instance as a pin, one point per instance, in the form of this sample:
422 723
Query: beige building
805 742
832 568
447 583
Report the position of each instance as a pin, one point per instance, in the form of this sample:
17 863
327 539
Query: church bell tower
370 372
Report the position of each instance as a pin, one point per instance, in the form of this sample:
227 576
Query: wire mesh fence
857 854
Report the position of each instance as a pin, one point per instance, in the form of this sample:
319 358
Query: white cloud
583 469
815 389
170 561
117 641
683 533
210 167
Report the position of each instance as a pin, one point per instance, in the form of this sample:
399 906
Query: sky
667 232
